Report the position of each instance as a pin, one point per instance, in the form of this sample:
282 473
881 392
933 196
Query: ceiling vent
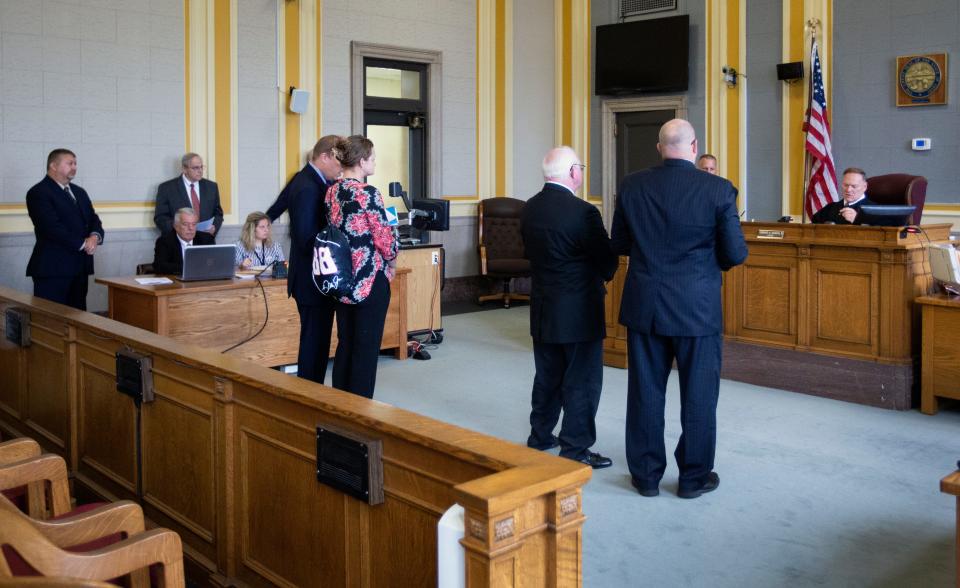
630 8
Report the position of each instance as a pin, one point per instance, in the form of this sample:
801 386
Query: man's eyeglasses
196 167
580 165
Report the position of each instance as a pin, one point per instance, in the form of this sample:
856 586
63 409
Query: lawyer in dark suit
168 250
847 210
308 214
681 229
68 232
188 189
570 258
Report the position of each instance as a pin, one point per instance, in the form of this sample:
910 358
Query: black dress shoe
595 460
710 484
644 489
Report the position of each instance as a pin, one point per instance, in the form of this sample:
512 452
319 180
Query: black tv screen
643 56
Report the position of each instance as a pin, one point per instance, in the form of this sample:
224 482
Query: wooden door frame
609 108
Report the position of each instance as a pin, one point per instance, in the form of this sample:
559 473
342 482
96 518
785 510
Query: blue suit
681 229
59 267
308 214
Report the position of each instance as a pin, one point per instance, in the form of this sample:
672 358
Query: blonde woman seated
255 247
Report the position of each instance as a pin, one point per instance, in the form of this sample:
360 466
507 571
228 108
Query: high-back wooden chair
25 476
501 245
70 547
41 582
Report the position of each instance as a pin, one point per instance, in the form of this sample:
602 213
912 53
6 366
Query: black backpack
332 263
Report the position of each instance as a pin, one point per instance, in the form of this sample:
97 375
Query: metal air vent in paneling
638 7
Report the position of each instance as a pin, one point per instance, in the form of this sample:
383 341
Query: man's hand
90 244
848 214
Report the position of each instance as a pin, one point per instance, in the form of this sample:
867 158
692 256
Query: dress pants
70 291
569 377
359 333
650 359
316 322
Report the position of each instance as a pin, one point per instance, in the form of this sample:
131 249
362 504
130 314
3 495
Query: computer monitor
887 215
437 216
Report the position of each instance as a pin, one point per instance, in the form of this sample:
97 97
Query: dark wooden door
637 140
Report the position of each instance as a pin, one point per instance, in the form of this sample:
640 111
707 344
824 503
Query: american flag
822 182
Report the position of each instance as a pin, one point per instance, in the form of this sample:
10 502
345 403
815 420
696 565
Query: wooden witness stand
815 298
221 313
226 456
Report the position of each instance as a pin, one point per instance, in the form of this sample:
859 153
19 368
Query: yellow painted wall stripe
732 52
567 83
223 113
291 49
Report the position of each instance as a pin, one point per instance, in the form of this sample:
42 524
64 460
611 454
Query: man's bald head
677 140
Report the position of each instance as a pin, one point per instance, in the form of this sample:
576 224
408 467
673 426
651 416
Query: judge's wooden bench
822 309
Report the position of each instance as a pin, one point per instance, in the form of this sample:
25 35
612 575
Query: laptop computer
208 262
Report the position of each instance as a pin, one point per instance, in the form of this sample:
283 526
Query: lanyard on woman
260 255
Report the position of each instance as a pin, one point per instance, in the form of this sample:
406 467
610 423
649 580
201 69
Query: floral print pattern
356 208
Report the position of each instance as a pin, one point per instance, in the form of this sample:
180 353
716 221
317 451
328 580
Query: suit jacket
308 214
172 196
168 255
831 213
570 258
681 229
61 224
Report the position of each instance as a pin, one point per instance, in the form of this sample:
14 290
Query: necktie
70 193
195 200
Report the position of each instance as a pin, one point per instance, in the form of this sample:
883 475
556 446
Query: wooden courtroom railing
226 456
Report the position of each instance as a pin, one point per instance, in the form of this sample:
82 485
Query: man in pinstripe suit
681 229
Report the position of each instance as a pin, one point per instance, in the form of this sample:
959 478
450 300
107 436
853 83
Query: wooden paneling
12 373
220 314
769 304
615 343
423 287
47 392
843 291
941 350
228 454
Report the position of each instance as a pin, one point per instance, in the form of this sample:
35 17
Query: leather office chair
899 189
144 268
501 246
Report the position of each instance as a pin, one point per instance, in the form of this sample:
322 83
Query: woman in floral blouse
356 208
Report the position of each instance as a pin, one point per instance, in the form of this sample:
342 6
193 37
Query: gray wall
764 113
533 93
607 12
868 130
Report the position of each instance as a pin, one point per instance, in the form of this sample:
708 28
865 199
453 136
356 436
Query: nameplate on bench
769 234
351 464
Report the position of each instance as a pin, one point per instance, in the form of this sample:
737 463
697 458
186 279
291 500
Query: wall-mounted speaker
135 375
299 100
17 326
788 72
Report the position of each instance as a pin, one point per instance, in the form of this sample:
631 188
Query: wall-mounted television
643 56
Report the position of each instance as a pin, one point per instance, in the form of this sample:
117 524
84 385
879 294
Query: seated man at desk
168 252
847 210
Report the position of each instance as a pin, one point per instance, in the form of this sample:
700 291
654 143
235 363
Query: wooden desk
940 350
221 313
423 286
822 309
951 485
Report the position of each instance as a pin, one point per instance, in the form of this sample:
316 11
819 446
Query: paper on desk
205 225
153 281
246 276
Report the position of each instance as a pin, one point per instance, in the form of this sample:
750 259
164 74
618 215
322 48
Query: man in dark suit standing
570 258
68 233
847 210
169 248
308 214
681 229
189 189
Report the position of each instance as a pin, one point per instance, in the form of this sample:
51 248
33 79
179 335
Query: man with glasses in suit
189 189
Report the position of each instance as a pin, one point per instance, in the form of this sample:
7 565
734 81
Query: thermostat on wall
920 144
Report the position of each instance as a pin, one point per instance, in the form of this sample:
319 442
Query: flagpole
812 24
